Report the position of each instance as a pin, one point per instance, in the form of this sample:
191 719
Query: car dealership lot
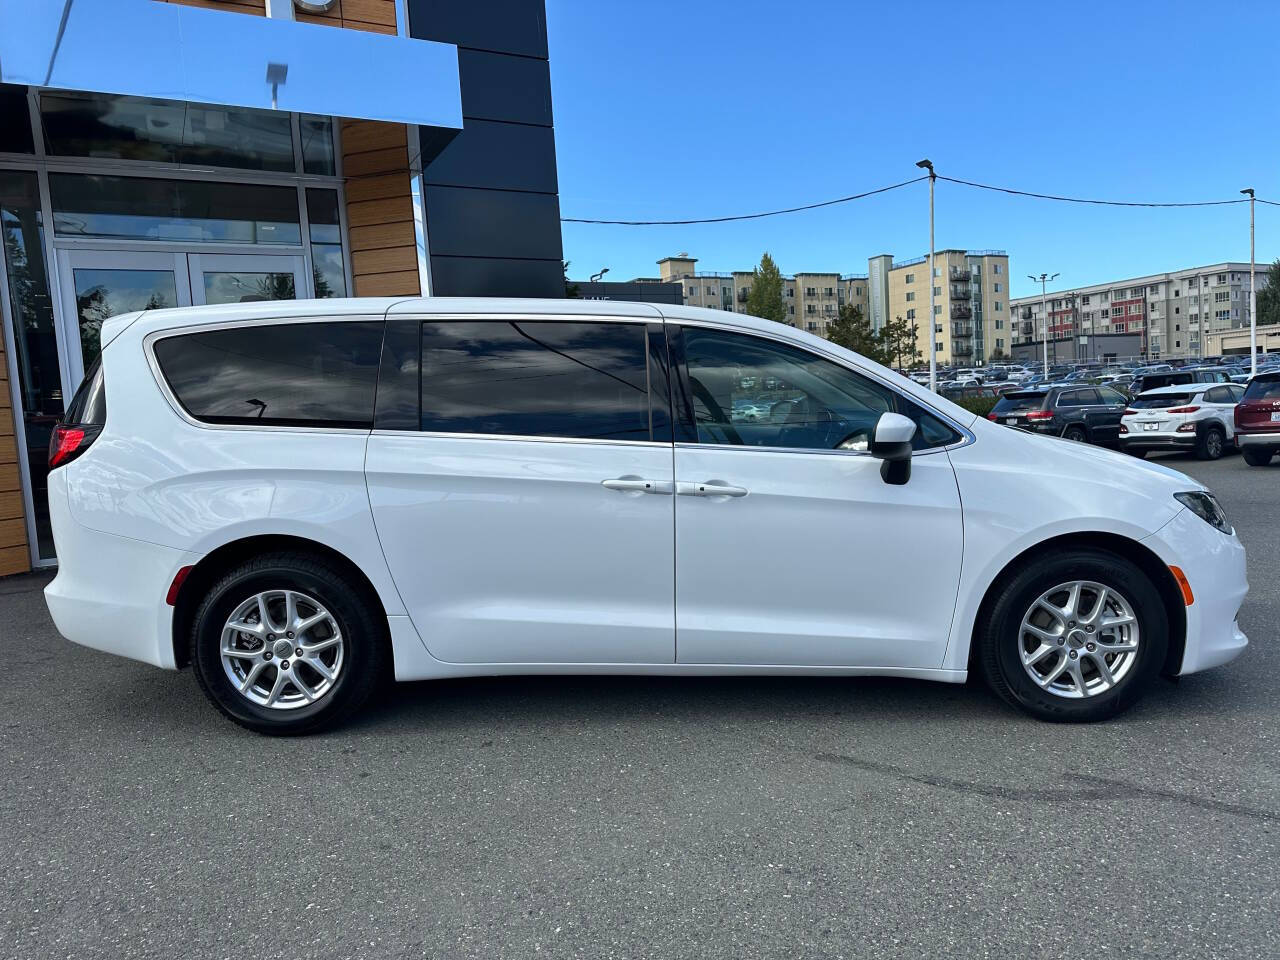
632 817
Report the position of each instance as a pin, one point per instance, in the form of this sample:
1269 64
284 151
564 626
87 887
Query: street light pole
933 333
1253 294
1043 280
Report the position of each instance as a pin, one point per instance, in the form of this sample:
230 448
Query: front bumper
1214 565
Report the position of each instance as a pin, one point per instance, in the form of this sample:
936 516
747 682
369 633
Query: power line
745 216
1101 203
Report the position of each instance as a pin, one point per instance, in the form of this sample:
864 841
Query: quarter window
535 378
276 374
749 391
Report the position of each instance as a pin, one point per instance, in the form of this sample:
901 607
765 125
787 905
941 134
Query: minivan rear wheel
1074 636
283 645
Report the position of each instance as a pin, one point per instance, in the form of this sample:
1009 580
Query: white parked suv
301 500
1197 417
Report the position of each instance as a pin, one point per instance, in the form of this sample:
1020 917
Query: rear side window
1263 390
536 378
276 374
1072 398
89 405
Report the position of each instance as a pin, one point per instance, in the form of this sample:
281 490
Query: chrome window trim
155 336
519 438
967 436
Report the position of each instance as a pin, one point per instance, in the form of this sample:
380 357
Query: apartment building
813 299
971 319
1168 312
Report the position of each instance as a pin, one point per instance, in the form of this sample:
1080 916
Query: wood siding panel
404 284
14 557
382 235
389 260
255 7
14 560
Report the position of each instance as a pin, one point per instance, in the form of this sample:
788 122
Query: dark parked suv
1258 420
1170 378
1088 414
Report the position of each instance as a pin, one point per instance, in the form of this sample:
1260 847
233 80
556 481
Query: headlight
1205 506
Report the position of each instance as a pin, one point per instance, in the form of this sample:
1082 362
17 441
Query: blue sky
715 107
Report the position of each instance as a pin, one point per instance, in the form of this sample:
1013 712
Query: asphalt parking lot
589 817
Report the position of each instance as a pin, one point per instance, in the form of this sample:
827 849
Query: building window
997 269
810 291
937 309
997 288
997 306
911 314
911 295
937 291
1085 299
911 278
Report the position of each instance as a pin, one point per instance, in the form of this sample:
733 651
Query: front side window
748 391
276 374
535 378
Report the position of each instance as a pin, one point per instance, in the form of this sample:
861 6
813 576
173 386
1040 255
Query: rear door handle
710 488
638 485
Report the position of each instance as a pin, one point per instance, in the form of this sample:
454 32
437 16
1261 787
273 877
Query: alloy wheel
1079 639
282 649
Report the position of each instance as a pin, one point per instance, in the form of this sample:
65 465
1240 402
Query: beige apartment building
813 299
970 303
1164 314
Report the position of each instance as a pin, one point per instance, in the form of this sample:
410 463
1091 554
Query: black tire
1256 456
363 628
1076 433
998 638
1211 443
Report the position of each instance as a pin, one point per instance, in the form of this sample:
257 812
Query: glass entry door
97 284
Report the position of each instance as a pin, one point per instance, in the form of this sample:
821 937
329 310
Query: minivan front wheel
1076 636
282 644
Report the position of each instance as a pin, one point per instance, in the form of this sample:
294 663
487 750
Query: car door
1223 399
520 475
790 547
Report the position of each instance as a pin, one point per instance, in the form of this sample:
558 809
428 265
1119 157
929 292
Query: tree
765 299
997 356
1269 297
852 331
899 341
571 290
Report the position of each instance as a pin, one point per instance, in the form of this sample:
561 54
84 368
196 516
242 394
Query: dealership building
157 154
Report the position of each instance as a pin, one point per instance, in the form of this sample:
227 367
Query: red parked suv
1258 420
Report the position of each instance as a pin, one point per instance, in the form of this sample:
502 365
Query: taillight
1123 429
1040 415
991 416
1129 412
69 441
1182 409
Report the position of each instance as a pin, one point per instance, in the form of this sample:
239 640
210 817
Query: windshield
1018 402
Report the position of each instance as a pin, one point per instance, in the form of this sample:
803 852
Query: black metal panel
669 293
498 156
464 222
502 87
397 404
15 120
496 277
503 26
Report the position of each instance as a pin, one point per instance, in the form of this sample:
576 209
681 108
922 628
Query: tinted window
1071 398
89 405
15 120
1111 397
1016 402
1218 395
280 374
749 391
1160 401
535 378
1089 397
1263 389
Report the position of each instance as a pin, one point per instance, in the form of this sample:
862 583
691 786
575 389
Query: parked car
953 392
1257 420
1193 417
1143 382
300 499
1084 414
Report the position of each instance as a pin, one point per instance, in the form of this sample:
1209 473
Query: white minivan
300 500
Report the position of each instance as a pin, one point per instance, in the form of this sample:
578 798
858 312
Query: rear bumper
1258 440
1214 565
1158 441
109 593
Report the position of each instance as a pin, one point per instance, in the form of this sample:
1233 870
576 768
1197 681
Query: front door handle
638 485
711 488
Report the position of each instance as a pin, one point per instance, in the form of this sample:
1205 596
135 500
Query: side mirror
892 445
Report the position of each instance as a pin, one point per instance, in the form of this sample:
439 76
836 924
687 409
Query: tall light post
933 333
1043 280
1253 294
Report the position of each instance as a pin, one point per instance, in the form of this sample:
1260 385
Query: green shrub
979 405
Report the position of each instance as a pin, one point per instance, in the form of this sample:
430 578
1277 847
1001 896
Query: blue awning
173 52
